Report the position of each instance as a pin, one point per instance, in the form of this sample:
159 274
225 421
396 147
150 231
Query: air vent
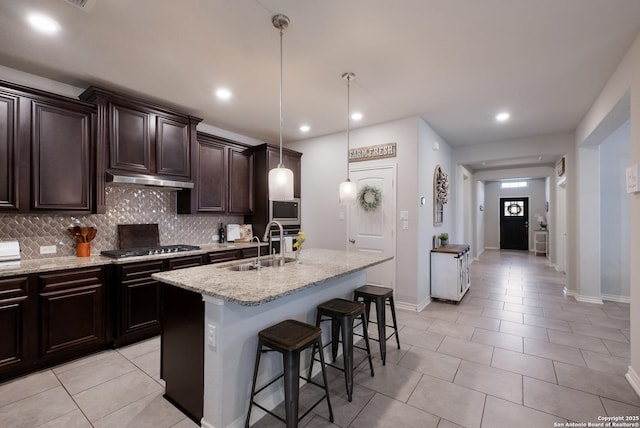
85 5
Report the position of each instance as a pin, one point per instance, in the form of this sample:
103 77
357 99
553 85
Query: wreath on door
369 197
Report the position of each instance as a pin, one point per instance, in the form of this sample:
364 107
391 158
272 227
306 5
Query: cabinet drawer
71 279
14 287
253 252
140 270
224 256
185 262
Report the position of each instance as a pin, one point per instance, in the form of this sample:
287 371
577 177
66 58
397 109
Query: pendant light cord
280 165
348 120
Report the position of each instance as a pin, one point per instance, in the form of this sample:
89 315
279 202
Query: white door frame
394 170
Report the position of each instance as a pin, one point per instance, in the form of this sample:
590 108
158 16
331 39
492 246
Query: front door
373 230
514 223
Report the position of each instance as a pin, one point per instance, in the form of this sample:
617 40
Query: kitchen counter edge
25 267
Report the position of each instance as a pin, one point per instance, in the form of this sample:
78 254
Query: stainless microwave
285 212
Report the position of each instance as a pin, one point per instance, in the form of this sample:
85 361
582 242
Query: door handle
353 241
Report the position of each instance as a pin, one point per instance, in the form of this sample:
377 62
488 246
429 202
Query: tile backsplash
124 206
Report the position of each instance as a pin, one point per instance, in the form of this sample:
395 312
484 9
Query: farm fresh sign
380 151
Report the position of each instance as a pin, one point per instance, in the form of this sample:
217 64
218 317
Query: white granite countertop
255 287
25 267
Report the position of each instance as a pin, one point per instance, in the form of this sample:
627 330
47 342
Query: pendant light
348 188
280 178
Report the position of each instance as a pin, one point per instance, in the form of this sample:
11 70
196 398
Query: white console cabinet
540 242
450 272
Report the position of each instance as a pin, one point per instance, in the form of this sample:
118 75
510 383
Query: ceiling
455 63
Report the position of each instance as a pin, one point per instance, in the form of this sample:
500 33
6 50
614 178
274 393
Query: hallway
514 352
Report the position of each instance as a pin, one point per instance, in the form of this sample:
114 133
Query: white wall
621 93
492 194
480 201
324 164
428 158
614 214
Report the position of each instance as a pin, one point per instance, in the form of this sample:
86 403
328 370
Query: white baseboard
588 299
491 248
568 292
634 380
614 298
205 424
412 307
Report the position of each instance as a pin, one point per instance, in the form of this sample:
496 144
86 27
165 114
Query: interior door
373 231
514 223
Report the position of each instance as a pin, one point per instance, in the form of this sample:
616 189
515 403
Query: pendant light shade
348 189
280 178
280 184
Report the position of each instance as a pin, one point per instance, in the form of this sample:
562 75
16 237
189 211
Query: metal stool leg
324 377
335 337
253 385
291 364
395 323
347 353
382 328
366 341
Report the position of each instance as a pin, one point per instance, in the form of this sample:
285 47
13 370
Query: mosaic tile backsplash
124 206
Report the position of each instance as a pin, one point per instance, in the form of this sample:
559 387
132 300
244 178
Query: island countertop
255 287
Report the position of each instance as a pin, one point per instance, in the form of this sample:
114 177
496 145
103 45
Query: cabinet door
61 158
130 148
9 152
172 147
212 178
240 182
18 333
72 317
139 302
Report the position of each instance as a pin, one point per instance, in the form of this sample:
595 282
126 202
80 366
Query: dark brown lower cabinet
137 302
72 313
17 324
138 298
182 350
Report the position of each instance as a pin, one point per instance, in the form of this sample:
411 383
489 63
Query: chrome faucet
266 235
258 253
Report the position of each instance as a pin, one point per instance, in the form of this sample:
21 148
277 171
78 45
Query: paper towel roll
288 244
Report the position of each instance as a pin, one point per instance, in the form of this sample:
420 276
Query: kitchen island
235 306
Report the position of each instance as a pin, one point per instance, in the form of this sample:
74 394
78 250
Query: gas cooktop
148 251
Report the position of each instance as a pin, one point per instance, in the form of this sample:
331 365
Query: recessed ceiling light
501 117
43 23
305 128
356 115
223 93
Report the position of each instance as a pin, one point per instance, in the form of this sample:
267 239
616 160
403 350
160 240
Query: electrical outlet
211 335
48 249
215 238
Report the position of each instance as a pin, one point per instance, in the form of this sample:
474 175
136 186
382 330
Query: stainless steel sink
264 263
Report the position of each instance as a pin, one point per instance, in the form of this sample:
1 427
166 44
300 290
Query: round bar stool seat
290 338
379 295
342 313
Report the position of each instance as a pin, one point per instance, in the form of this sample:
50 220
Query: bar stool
289 337
369 293
342 313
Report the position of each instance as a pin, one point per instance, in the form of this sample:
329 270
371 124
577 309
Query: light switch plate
632 179
404 215
405 225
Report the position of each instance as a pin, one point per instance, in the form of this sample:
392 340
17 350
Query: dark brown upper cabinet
240 181
47 152
223 178
140 137
9 152
265 158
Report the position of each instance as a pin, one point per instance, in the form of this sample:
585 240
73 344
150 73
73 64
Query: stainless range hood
141 180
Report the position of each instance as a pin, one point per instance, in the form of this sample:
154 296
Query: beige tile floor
514 352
